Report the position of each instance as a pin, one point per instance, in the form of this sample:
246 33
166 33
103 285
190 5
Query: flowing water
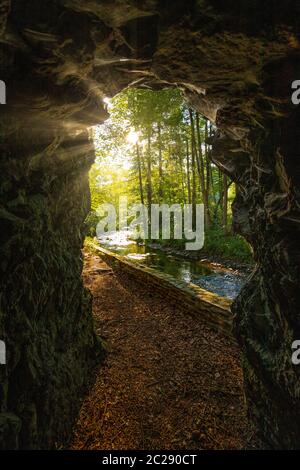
220 281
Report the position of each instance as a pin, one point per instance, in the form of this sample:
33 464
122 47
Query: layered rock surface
235 62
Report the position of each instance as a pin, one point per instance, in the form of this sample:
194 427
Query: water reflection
222 283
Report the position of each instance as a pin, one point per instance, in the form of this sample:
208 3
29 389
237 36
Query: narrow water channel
215 279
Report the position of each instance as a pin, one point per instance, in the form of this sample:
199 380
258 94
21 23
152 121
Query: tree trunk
138 157
149 170
204 182
188 172
160 170
182 174
225 203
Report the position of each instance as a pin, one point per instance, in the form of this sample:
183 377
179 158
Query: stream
221 281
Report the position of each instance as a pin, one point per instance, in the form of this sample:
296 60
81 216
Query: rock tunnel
59 59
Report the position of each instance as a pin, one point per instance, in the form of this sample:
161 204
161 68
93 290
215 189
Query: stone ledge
214 309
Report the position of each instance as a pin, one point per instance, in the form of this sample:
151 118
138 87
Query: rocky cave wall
235 62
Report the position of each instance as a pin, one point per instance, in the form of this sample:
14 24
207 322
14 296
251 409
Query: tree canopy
154 149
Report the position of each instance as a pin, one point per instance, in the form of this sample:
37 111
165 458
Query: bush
231 246
91 222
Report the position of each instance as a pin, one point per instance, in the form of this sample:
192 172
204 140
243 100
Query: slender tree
139 165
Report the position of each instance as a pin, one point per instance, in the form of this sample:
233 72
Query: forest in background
154 149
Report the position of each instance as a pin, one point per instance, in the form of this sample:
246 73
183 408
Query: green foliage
227 245
167 160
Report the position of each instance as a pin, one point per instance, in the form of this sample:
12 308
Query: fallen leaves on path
168 381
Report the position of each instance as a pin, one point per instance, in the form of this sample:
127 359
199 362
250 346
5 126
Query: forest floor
167 382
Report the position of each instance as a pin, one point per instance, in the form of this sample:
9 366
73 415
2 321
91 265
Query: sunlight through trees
154 149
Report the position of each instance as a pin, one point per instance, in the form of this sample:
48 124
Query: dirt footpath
168 381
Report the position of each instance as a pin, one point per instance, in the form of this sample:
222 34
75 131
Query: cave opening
154 149
58 63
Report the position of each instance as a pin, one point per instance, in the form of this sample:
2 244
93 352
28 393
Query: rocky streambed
211 276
